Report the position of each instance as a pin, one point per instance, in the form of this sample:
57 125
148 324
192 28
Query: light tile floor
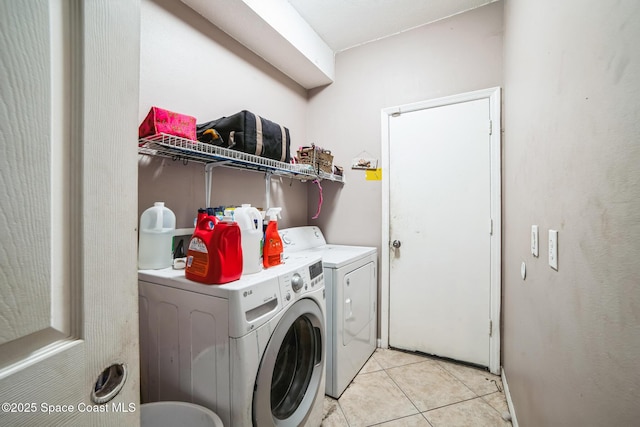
398 389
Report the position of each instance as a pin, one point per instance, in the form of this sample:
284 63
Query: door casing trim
494 96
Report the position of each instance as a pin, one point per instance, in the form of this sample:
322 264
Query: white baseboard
507 394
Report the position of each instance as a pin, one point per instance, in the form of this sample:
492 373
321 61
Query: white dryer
350 275
250 350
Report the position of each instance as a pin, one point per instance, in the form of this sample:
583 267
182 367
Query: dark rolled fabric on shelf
249 133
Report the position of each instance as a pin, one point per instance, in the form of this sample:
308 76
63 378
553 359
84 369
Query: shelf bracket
267 188
208 172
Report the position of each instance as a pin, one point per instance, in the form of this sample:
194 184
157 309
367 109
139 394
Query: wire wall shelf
186 150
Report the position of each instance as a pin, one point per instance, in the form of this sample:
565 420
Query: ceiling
344 24
301 37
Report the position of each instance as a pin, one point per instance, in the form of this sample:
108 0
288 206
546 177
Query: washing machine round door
290 373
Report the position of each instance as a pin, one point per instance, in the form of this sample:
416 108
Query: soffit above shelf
274 31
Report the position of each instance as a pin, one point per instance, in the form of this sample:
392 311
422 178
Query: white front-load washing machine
251 350
350 275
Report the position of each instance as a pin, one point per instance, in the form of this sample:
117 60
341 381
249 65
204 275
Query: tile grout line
497 390
492 407
383 369
342 410
453 403
481 396
439 365
400 388
442 366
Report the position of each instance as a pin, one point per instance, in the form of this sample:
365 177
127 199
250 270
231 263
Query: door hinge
490 328
396 114
490 227
490 127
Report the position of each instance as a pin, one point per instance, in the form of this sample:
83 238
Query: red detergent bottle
214 256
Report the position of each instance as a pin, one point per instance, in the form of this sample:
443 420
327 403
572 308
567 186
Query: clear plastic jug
157 227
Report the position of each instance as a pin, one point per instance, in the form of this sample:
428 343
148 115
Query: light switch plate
553 249
534 240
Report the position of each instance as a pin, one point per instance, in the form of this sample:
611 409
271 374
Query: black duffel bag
249 133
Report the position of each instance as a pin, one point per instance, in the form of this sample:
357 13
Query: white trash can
177 414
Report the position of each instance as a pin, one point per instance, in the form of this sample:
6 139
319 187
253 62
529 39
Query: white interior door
68 169
440 215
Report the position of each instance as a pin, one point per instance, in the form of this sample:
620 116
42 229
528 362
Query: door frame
494 96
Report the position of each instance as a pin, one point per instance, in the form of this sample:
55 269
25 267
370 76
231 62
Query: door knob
396 244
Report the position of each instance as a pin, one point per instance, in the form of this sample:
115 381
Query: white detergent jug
157 227
249 220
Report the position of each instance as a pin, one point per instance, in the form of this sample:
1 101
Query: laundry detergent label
198 264
197 244
198 258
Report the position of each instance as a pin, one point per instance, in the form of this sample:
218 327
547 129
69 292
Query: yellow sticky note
374 175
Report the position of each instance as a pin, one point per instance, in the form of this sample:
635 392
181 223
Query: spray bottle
272 250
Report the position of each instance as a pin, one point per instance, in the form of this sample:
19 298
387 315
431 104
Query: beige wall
425 63
455 55
571 338
459 54
571 161
189 66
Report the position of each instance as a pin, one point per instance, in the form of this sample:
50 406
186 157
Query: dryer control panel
297 239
